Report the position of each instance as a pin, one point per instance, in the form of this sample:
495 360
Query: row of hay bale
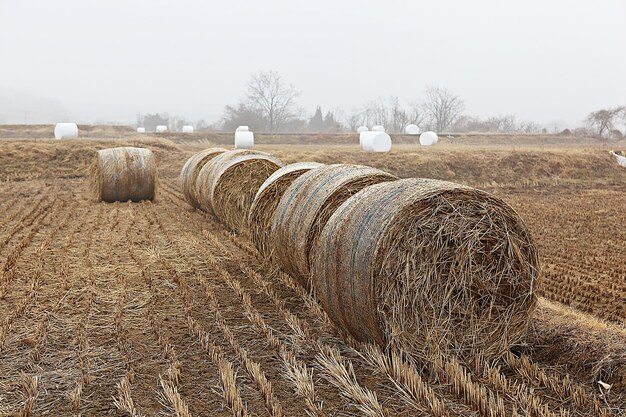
418 264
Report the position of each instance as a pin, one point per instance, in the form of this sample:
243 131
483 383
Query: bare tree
441 108
354 120
602 121
268 92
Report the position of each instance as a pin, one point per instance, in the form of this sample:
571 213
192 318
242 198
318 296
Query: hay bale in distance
428 138
242 129
266 200
235 182
141 130
188 129
427 265
375 141
161 128
66 131
244 139
189 173
205 176
362 129
378 128
306 206
123 174
412 129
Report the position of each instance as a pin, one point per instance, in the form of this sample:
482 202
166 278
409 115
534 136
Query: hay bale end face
123 174
427 266
306 206
204 178
232 184
189 173
266 200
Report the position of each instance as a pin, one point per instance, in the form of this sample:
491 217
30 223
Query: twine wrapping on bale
427 266
205 175
189 173
306 206
123 174
266 200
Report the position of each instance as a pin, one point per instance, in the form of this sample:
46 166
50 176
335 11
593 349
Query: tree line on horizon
269 105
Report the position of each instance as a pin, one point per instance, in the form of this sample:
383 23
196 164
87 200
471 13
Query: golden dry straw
266 200
205 175
427 266
123 174
189 173
306 206
233 183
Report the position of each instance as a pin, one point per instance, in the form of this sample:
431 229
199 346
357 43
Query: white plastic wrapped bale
412 129
161 128
188 129
362 129
141 130
619 158
375 141
378 128
66 131
244 140
242 129
428 138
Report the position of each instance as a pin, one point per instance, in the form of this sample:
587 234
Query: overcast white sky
106 60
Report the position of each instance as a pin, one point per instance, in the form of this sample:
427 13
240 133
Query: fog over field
105 61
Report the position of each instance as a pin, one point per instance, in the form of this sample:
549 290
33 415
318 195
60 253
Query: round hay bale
244 139
428 138
362 129
141 130
266 200
427 266
305 207
188 129
242 129
375 141
66 131
378 128
189 173
205 175
412 129
234 185
123 174
161 128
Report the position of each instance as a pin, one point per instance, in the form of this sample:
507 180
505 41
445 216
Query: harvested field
156 308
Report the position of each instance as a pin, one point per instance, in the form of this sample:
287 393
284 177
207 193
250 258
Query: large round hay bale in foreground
266 200
427 265
234 183
189 173
123 174
205 175
306 206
